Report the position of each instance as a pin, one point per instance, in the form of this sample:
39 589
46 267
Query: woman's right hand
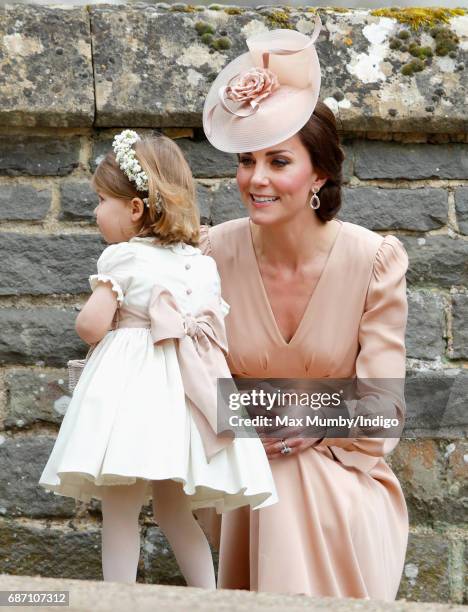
274 446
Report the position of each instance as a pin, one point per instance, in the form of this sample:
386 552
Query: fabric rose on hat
252 86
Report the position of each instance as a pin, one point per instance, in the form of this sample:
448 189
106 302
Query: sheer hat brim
293 59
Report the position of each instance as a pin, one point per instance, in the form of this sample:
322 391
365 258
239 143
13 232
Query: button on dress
340 527
129 417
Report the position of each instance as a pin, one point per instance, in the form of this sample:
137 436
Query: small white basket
75 369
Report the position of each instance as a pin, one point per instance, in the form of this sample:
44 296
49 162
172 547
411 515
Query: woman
311 297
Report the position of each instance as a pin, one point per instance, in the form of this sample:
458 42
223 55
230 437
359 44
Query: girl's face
276 184
114 218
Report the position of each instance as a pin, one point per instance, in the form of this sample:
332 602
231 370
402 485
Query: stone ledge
105 596
152 68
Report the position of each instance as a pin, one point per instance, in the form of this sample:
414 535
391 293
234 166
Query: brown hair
320 137
170 175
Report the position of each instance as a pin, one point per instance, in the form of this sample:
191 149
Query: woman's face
276 184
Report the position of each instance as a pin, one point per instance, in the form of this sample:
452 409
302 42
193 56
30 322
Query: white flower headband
129 164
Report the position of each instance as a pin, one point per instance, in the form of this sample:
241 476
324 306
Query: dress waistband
131 320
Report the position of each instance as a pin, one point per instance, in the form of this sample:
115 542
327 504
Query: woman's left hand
274 446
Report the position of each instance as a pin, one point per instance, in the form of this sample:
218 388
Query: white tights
121 505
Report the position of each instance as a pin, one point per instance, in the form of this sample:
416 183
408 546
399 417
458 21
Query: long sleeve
380 363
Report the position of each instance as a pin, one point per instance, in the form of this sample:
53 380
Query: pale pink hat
264 96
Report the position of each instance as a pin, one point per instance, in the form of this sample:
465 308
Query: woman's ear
137 207
319 183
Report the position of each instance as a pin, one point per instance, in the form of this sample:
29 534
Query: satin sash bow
201 347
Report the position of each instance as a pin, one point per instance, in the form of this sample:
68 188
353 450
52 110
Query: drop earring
314 200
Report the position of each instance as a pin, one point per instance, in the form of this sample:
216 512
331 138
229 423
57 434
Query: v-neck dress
340 527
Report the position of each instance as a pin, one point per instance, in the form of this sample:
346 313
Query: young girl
141 421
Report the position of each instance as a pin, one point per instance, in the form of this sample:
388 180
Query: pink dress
340 528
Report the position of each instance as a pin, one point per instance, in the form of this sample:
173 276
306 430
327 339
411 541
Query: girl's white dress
128 417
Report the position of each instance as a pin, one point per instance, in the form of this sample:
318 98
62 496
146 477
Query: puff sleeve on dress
114 267
382 346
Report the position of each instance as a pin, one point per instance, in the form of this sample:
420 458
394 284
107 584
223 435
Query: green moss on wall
279 19
429 20
415 65
420 17
233 10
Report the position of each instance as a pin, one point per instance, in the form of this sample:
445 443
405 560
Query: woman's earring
314 201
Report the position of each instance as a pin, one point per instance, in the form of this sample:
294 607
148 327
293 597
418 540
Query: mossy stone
420 17
233 10
279 19
445 47
207 38
415 65
221 44
200 27
446 41
421 52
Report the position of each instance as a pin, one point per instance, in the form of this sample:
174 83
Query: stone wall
70 79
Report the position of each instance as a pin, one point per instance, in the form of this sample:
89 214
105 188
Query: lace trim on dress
104 278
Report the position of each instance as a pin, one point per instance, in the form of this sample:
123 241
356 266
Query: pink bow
201 347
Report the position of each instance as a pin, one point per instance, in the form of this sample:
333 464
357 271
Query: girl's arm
95 318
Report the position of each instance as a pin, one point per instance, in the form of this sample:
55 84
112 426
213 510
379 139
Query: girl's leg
121 505
174 516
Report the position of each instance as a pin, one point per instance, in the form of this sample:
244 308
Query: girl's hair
320 137
170 175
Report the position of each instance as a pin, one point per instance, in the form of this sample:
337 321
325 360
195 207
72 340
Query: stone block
21 463
388 209
348 164
36 397
436 403
426 570
431 475
391 160
101 147
160 565
426 325
439 260
46 70
40 265
150 97
50 551
41 336
38 155
23 203
223 200
461 207
78 201
206 161
459 325
204 203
